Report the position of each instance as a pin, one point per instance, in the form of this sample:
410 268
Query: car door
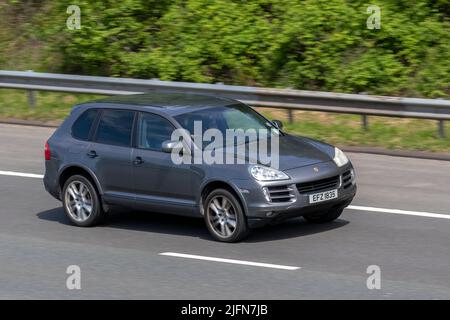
160 185
109 155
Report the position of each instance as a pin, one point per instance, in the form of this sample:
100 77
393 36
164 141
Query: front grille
281 194
347 179
318 185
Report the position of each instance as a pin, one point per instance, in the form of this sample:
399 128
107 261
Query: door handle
138 160
92 154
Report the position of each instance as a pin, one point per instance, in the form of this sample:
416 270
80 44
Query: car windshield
235 117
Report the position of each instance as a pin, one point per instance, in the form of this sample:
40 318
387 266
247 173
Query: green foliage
305 44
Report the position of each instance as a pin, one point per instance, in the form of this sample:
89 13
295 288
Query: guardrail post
290 116
365 122
441 128
31 98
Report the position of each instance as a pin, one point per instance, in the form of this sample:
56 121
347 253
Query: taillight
47 151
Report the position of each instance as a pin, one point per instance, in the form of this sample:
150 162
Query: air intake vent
347 179
318 185
281 194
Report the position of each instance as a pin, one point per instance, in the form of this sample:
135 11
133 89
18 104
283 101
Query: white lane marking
248 263
21 174
405 212
360 208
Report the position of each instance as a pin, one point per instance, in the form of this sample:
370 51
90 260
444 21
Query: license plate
323 196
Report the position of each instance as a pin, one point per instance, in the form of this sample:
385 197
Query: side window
82 126
115 127
153 131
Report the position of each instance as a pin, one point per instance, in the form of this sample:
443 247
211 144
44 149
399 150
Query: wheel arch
210 185
73 169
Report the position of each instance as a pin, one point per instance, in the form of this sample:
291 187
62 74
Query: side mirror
278 124
169 146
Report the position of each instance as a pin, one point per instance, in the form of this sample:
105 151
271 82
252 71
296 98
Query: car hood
293 152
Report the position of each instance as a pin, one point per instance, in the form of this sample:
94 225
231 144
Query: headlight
339 157
267 174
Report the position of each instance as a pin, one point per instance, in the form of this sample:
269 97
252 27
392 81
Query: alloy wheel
222 216
78 201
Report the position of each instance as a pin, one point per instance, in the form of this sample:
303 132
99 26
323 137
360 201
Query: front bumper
260 211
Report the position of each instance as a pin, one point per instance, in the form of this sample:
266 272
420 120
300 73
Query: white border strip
248 263
21 174
405 212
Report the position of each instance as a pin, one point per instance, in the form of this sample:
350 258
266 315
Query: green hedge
313 45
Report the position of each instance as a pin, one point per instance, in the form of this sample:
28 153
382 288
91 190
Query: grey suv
118 151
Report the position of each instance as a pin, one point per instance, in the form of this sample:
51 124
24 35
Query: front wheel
224 216
328 216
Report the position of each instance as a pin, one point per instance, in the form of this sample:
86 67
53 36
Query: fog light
269 214
266 194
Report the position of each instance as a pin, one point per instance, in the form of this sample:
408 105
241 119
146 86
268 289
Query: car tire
225 220
81 202
328 216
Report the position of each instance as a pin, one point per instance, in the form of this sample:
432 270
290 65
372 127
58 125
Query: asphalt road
122 259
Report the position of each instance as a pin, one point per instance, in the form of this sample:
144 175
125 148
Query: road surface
399 221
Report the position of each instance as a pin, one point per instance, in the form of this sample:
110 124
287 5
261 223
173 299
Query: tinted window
231 117
83 124
234 117
153 131
115 127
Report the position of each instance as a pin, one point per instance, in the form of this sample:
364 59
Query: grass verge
49 106
390 133
346 130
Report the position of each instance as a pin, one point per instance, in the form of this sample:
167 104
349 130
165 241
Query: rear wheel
81 202
224 216
328 216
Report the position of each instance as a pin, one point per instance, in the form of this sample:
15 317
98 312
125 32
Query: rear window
115 127
82 126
